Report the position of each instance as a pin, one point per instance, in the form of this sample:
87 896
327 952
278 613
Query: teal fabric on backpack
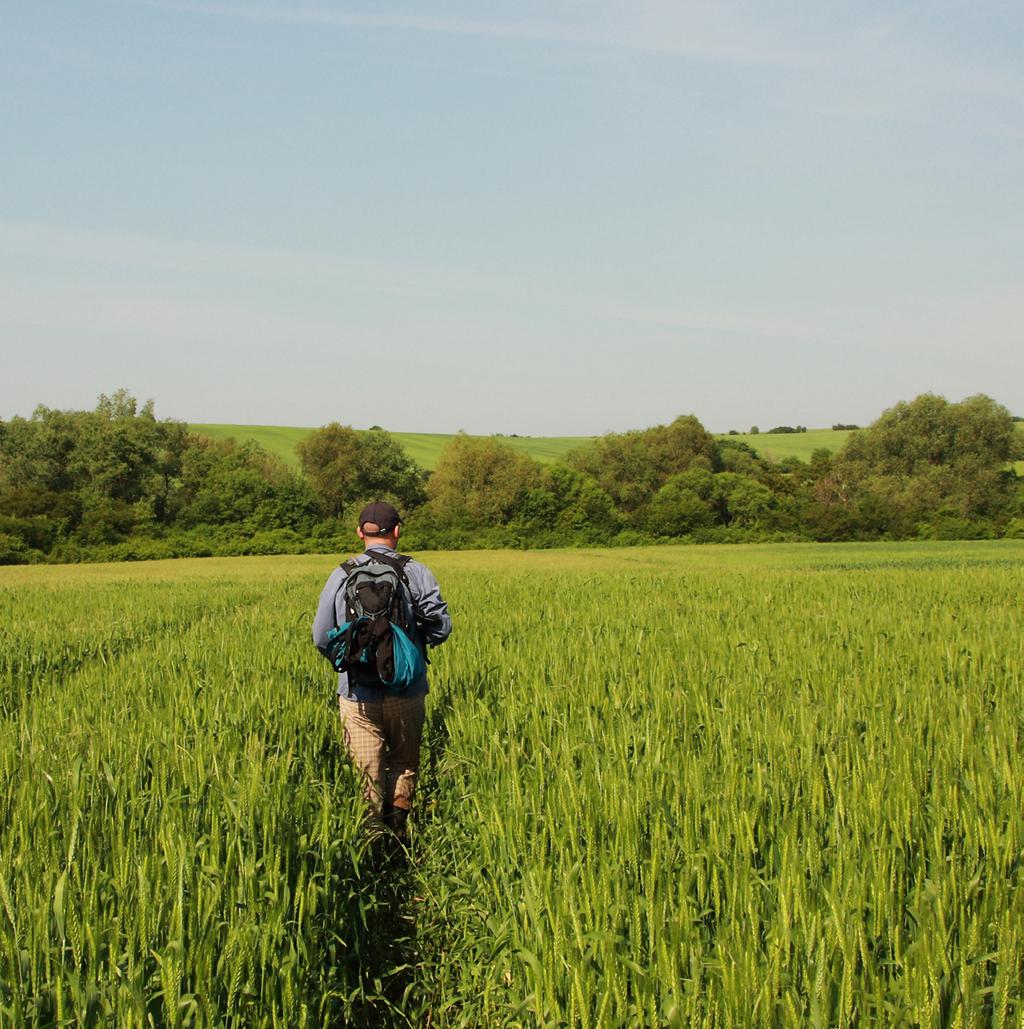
340 644
409 663
372 646
377 647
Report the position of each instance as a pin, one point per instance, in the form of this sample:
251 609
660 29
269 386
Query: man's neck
370 544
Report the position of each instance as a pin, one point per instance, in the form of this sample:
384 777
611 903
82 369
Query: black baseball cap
381 514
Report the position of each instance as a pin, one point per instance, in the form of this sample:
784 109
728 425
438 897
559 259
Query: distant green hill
425 447
277 439
779 445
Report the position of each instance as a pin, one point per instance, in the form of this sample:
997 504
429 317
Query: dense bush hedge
116 484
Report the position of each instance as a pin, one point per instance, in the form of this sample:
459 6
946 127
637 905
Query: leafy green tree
685 502
290 504
124 455
588 513
739 457
920 458
929 431
34 532
747 502
228 483
38 452
329 459
13 550
480 482
343 466
387 471
105 520
632 466
100 473
567 506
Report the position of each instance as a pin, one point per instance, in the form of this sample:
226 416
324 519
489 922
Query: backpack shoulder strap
352 563
348 567
396 561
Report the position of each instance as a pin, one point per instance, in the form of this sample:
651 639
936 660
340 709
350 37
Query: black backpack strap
392 559
396 561
347 567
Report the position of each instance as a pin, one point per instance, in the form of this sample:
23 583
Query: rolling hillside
277 439
777 446
425 447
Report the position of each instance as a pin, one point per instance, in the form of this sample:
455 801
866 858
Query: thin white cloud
755 325
983 323
294 15
152 319
70 247
218 295
38 53
882 56
706 33
69 295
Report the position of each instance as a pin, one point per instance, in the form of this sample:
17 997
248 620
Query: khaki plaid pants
383 739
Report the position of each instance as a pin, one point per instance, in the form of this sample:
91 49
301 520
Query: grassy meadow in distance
779 445
676 786
276 439
426 447
423 447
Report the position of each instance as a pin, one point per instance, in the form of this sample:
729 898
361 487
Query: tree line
118 483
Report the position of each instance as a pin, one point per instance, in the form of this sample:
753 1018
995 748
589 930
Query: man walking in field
382 722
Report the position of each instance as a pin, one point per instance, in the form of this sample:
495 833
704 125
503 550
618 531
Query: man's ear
398 531
360 533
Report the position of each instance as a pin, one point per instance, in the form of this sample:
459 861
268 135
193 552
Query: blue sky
559 218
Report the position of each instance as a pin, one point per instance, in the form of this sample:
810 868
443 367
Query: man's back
383 725
429 617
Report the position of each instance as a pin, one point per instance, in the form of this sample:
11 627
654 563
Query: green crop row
734 795
665 787
179 839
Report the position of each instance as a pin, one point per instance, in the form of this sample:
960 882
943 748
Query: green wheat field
704 786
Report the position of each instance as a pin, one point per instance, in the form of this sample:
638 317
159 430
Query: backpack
373 644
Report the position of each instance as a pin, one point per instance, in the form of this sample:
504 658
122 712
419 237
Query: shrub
1014 529
12 550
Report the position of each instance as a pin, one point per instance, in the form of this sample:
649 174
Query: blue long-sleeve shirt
433 623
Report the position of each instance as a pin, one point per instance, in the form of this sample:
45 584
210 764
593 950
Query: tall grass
674 795
725 786
179 842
